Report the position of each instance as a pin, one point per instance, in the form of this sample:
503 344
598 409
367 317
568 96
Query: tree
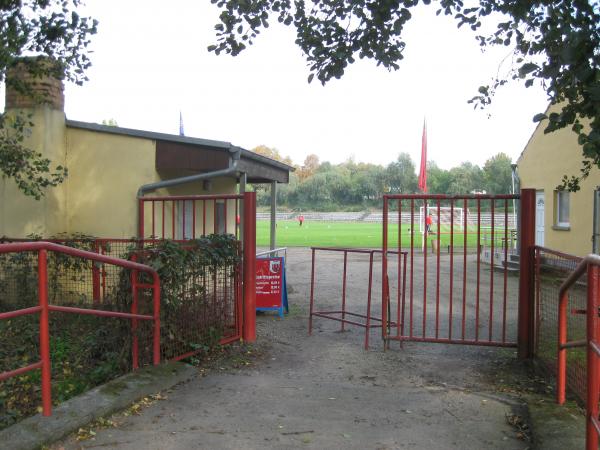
272 153
310 166
497 174
438 180
554 43
400 175
54 32
465 179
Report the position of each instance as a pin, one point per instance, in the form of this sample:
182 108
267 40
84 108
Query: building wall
546 158
107 171
99 195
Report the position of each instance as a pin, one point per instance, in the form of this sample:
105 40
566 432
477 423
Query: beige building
564 220
110 168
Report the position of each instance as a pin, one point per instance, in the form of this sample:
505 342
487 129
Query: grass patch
361 234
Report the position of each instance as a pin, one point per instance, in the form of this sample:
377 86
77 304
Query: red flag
423 168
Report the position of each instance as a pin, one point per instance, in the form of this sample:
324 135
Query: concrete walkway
325 391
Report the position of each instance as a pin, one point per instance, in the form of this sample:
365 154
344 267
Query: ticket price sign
271 292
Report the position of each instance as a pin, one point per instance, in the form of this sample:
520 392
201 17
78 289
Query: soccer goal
442 224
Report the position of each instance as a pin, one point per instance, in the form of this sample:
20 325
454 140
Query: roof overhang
195 155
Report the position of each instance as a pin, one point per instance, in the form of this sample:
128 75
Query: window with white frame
562 209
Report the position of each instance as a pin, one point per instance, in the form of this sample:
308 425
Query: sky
150 62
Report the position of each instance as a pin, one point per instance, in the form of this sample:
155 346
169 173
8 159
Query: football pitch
363 234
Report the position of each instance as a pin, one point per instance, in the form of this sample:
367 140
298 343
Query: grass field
354 234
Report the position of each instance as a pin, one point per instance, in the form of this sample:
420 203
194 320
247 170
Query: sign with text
269 282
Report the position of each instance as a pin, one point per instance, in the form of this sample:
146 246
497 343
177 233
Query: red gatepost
249 250
526 324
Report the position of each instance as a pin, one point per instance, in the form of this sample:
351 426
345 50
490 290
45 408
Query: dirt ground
326 392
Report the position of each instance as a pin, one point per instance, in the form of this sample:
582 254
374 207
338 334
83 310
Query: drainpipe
596 222
234 158
516 187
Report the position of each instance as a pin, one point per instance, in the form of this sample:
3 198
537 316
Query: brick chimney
33 82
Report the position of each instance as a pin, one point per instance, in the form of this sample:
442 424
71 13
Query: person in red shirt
300 219
428 223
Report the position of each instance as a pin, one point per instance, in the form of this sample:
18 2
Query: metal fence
99 279
37 278
551 269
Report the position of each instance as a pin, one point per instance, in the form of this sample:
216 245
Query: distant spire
181 133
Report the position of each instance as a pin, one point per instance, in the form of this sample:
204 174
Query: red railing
42 248
189 216
590 266
341 315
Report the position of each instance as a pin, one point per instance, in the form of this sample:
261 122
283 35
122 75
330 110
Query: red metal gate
463 266
184 217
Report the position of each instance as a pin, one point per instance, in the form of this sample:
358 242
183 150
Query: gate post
249 267
526 321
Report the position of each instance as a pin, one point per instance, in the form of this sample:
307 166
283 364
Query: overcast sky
150 62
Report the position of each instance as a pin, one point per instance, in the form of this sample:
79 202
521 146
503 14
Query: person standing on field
300 219
428 223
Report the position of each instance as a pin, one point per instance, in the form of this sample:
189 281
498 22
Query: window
562 209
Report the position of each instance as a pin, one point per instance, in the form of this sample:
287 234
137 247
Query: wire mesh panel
551 269
200 304
462 277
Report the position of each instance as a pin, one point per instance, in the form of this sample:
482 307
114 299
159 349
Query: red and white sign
269 281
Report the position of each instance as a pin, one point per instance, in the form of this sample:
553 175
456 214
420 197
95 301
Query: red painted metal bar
164 206
173 207
456 341
134 323
400 301
193 219
153 221
491 319
593 354
425 245
403 290
249 328
20 371
537 298
526 301
451 293
344 288
215 216
20 312
312 292
194 197
182 203
412 263
505 287
478 269
99 312
237 216
44 332
384 265
141 218
437 270
561 361
451 197
368 324
225 214
95 278
203 217
464 286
